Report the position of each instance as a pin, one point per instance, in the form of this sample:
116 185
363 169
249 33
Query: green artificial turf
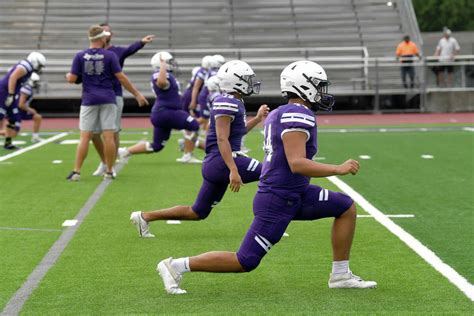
108 269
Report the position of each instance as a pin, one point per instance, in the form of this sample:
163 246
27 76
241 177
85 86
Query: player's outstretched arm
194 94
22 104
260 117
223 132
162 80
295 151
142 101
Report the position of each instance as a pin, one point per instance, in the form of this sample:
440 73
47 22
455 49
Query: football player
285 193
10 86
96 68
167 113
122 52
224 165
27 92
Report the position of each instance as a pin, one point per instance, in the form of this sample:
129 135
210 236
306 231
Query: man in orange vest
406 51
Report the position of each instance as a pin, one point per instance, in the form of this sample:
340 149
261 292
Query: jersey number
267 142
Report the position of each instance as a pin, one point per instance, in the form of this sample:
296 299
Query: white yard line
34 146
388 215
424 252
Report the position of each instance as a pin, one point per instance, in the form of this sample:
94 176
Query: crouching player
10 86
224 164
284 192
166 113
24 104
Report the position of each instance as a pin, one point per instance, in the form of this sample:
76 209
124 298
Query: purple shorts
165 121
25 116
273 212
216 179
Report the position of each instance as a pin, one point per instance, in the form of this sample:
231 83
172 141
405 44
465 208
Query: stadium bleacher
250 30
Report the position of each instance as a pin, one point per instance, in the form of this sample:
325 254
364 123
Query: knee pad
153 147
14 125
249 263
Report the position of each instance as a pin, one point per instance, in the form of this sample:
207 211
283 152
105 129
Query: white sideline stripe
469 129
424 252
173 222
388 215
24 150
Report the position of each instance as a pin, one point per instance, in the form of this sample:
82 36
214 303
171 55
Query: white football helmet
219 59
309 81
166 57
37 60
206 62
212 84
237 76
215 62
34 80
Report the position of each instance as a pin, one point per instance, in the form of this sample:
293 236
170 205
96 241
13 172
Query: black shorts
449 69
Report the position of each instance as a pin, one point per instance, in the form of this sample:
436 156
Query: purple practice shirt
169 98
25 64
276 173
98 68
227 105
122 53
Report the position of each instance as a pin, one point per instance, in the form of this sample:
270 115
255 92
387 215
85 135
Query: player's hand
263 112
9 100
350 166
192 106
235 181
148 39
142 101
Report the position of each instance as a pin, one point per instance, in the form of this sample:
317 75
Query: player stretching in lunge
122 53
166 113
10 86
27 92
284 192
224 164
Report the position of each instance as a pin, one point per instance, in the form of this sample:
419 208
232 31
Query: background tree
457 15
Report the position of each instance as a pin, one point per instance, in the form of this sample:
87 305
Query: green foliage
433 15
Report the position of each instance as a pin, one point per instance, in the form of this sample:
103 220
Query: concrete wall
450 101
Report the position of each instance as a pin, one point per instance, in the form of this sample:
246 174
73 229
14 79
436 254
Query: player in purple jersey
285 193
198 83
97 68
224 165
122 53
166 113
10 86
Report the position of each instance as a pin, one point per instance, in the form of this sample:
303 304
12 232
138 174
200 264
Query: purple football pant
12 112
166 120
273 212
186 99
216 179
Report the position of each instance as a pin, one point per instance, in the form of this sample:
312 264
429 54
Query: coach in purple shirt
97 68
122 52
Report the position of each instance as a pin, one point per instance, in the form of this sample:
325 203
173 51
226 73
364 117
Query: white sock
340 267
181 265
35 135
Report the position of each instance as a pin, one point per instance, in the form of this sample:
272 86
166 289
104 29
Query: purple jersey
203 94
166 98
122 53
25 64
227 105
276 173
98 68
